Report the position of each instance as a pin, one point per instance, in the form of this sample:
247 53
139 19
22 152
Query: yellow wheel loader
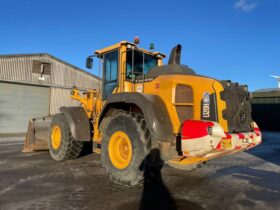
142 104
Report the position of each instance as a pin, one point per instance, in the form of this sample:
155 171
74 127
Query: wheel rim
120 150
56 137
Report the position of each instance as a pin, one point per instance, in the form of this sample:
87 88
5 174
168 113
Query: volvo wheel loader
143 105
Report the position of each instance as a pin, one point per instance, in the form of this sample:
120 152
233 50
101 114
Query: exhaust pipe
175 55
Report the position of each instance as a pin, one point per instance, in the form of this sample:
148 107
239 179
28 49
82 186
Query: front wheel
124 147
61 143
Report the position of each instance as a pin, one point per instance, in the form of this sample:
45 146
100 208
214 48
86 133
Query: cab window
110 70
142 63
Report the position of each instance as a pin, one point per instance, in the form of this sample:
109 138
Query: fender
78 122
152 107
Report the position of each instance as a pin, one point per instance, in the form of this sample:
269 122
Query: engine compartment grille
184 102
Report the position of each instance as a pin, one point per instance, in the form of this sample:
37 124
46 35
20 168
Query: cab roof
118 45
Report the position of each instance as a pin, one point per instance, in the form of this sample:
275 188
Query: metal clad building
36 85
266 108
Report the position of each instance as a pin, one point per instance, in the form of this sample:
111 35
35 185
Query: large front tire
62 145
124 147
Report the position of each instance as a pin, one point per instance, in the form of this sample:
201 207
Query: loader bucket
37 134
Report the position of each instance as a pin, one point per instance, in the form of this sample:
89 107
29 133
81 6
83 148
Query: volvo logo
206 105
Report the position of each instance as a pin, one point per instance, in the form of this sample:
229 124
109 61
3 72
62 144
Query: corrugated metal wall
61 97
18 69
266 100
265 109
64 76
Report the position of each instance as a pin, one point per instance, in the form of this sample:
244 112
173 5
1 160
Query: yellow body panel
107 49
164 87
188 161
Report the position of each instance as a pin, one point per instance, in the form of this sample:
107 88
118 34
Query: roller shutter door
19 103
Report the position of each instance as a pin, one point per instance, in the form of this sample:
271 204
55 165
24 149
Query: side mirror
89 62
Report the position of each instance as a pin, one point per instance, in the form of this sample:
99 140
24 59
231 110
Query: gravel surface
248 180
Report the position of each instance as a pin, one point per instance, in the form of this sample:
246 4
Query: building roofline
49 56
266 93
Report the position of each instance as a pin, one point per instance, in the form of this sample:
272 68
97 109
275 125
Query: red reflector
195 129
228 136
241 136
219 146
257 131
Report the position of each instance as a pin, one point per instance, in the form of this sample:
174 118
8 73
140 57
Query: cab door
110 72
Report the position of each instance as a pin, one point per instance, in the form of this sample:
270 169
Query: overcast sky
225 39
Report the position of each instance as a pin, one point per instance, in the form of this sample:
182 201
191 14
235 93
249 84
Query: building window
41 68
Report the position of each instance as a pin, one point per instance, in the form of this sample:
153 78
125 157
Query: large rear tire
124 147
62 145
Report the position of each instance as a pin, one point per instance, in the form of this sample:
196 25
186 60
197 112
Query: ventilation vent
41 68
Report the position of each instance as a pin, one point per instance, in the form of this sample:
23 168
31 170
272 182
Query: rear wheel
61 143
124 147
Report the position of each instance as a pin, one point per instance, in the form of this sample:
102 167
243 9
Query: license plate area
226 143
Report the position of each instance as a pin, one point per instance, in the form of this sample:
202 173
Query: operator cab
123 63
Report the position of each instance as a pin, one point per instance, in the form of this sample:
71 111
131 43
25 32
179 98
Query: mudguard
152 107
78 122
